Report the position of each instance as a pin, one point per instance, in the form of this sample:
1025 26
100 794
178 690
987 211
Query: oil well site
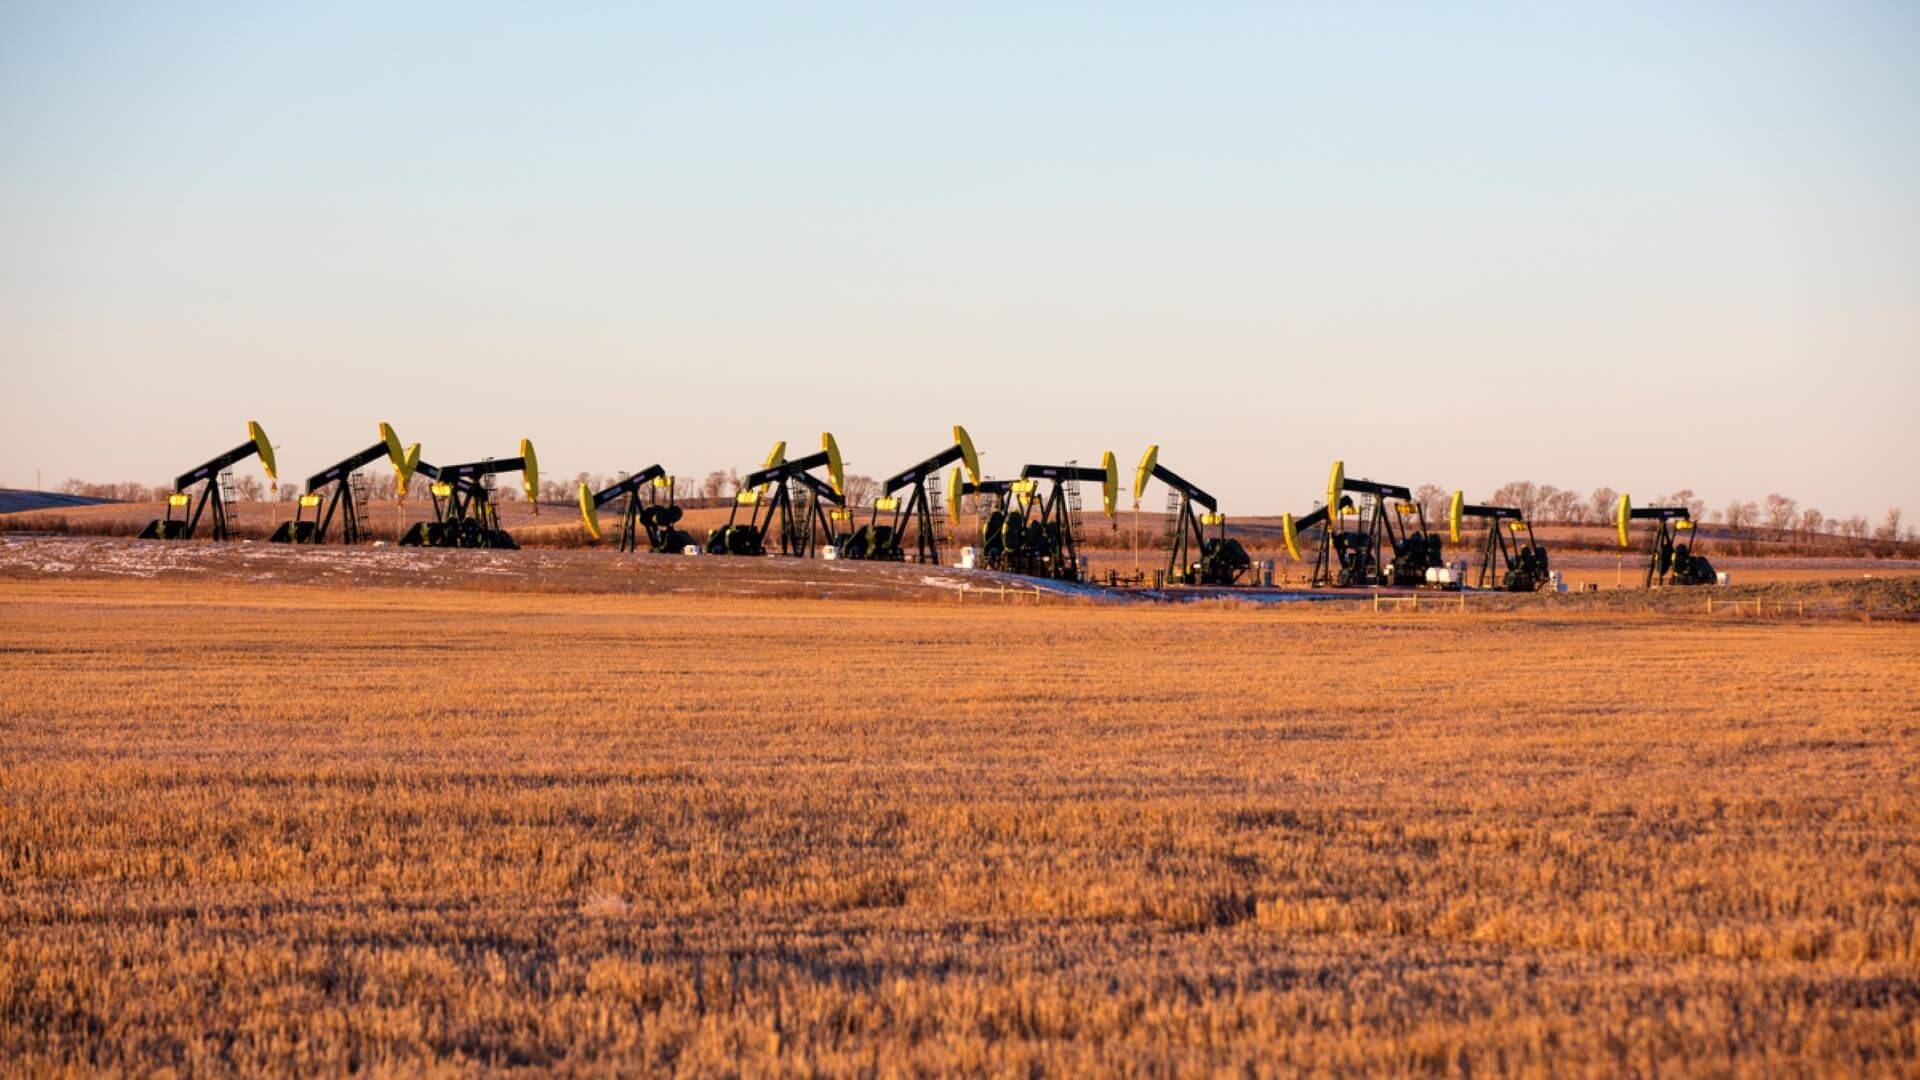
994 540
963 774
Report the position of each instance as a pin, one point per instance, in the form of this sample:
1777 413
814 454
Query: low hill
18 500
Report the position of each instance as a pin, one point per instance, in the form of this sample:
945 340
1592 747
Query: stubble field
257 826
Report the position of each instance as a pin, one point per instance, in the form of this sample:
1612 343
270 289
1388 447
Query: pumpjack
1030 530
1520 565
212 497
1193 557
1388 520
992 499
770 495
464 515
341 497
886 539
1671 560
655 520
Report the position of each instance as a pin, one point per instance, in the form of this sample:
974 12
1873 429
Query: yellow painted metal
1405 509
954 491
1110 488
1144 472
836 468
1456 509
404 461
1290 535
264 447
968 455
1622 514
530 473
747 498
838 514
1023 487
1336 483
776 456
309 500
1212 519
887 503
394 452
1684 523
1517 526
589 513
663 481
442 489
178 498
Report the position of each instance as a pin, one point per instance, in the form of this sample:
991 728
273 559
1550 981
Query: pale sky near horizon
1650 246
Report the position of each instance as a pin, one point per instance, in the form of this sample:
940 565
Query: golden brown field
251 826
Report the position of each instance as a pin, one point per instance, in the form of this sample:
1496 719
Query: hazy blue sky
1645 245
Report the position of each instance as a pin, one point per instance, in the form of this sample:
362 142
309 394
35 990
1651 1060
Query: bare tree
1696 506
1602 502
1740 515
1522 495
1890 527
1780 513
1433 500
1810 521
1562 506
713 485
861 490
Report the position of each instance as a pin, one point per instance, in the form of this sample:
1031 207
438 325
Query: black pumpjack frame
888 540
1352 559
655 520
1521 566
211 500
800 532
1046 545
340 500
1668 560
463 512
1192 556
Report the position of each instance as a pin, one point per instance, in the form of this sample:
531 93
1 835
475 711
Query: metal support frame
1508 561
1030 512
1381 530
463 510
1663 556
210 499
799 531
339 500
1189 554
889 541
640 517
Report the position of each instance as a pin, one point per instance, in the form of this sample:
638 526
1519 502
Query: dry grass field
250 826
